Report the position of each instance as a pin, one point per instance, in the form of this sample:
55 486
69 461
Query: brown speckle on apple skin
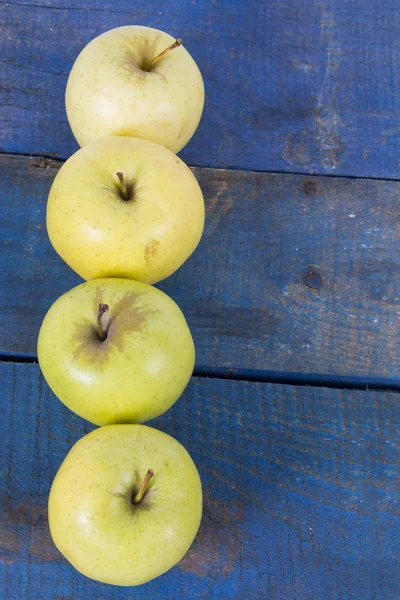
151 251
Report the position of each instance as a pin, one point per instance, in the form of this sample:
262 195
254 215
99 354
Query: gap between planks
274 377
193 165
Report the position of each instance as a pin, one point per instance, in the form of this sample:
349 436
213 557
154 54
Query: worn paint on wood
293 274
301 494
310 86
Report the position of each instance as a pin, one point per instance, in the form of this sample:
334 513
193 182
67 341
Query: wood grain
301 493
294 274
310 86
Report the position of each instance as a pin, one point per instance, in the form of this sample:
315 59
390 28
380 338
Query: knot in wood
310 188
313 279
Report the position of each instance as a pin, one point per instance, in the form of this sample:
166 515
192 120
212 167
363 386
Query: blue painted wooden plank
301 493
310 86
294 274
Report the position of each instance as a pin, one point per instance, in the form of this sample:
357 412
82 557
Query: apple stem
143 488
124 190
176 43
103 308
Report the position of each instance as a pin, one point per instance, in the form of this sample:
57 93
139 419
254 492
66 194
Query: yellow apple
125 207
121 85
116 351
125 504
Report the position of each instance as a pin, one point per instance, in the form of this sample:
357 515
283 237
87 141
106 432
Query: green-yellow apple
125 207
116 351
125 504
135 81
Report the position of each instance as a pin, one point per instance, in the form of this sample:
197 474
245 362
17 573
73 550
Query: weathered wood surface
300 485
310 86
294 274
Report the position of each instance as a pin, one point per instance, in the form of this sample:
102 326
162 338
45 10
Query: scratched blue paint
300 487
310 86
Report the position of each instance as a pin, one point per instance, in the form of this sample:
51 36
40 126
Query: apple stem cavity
176 43
123 192
103 308
143 488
